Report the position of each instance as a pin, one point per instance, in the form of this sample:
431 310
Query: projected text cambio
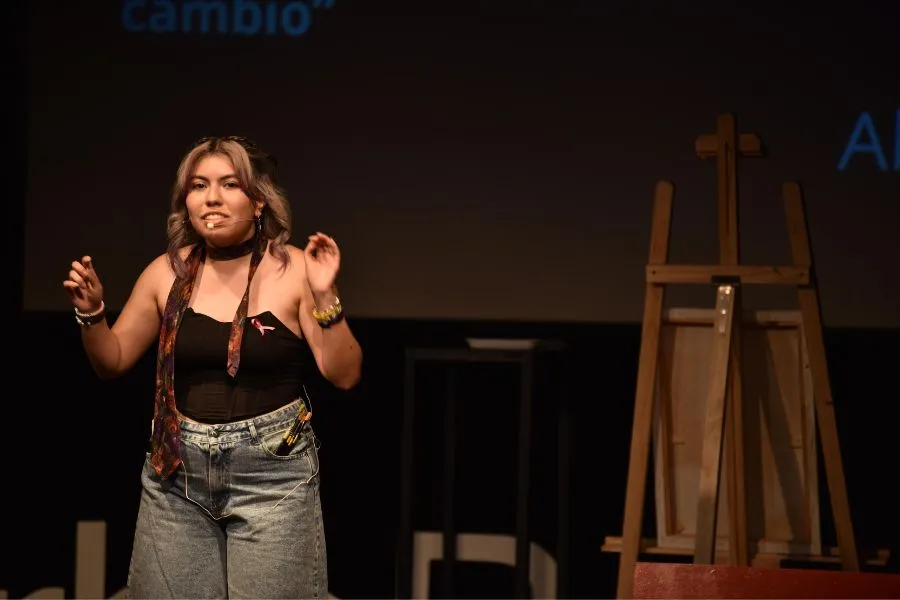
221 17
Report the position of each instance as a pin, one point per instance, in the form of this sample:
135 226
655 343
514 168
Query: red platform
683 581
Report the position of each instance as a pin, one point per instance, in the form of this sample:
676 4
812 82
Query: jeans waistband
237 431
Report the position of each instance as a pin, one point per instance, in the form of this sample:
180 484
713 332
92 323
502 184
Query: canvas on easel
779 439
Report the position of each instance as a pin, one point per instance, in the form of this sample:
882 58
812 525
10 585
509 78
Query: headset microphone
214 225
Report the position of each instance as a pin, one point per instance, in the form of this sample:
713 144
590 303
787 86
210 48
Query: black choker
232 252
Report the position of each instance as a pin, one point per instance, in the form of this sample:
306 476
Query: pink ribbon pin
258 324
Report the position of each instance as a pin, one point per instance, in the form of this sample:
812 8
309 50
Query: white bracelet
97 312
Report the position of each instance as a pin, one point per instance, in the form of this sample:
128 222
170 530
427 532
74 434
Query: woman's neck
231 252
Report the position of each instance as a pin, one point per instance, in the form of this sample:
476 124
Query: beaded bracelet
331 315
92 318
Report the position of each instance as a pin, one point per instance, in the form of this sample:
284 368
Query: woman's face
217 206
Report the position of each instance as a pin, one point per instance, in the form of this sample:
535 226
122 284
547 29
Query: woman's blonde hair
255 171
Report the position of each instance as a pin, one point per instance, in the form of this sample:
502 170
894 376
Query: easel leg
808 298
734 449
646 387
710 465
727 151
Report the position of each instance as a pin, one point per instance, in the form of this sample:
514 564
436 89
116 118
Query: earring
258 224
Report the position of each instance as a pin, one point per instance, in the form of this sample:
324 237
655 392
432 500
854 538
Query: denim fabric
236 520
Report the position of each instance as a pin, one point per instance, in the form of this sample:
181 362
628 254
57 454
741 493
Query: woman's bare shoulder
160 268
295 257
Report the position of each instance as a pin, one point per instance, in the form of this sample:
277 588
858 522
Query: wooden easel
724 399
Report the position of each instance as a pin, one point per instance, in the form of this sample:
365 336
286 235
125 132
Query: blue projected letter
206 8
295 18
128 10
243 9
854 146
164 18
897 141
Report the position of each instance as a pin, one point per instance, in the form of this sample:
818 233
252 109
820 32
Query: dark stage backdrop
488 170
478 160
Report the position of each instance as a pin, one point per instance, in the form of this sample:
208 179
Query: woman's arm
337 351
112 351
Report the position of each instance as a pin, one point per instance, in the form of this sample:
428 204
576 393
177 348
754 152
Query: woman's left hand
323 261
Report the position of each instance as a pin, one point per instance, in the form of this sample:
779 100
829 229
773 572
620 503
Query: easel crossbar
745 274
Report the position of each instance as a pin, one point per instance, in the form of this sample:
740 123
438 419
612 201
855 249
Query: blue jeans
235 520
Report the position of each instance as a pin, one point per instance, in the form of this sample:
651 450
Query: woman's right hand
84 287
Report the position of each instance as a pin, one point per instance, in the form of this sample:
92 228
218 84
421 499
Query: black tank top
273 361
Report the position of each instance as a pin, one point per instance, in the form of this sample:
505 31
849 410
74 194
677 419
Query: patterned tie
237 325
165 443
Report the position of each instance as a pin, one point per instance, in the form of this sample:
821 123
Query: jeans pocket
303 450
275 444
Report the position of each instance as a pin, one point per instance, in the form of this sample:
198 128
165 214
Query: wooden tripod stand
723 417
